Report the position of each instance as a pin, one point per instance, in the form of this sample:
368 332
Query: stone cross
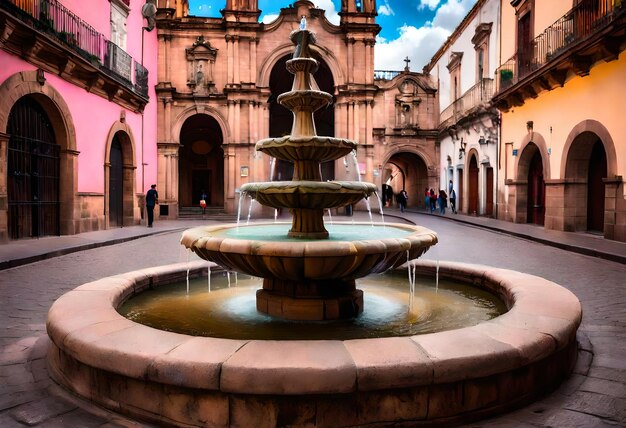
407 60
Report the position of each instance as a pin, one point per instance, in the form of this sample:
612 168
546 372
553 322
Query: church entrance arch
281 119
408 171
201 162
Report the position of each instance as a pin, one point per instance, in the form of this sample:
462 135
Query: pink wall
92 115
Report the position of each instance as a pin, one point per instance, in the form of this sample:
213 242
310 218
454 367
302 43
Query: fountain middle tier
307 148
314 195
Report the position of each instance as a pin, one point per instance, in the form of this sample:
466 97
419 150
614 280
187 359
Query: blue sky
413 28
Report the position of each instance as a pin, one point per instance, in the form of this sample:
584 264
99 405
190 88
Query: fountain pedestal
312 300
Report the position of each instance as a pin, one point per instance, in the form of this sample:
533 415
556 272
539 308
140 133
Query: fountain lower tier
309 279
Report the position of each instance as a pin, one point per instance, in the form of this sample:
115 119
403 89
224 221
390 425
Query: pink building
77 115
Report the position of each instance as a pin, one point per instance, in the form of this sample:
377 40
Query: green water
337 232
388 311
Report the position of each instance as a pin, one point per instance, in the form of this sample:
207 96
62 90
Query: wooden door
116 185
489 193
472 207
536 191
595 188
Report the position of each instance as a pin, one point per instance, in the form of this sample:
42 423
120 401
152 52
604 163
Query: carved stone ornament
200 65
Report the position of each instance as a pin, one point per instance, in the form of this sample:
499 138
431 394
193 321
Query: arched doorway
116 184
472 202
586 167
33 172
201 162
406 171
281 119
595 188
535 206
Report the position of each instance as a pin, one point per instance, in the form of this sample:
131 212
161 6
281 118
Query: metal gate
116 185
33 172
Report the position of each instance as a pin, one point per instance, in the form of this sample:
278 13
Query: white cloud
385 9
431 4
450 14
420 44
269 18
331 14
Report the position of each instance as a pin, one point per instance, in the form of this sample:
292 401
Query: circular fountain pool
228 310
180 380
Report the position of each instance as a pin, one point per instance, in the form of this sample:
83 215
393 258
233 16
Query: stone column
237 76
229 55
350 42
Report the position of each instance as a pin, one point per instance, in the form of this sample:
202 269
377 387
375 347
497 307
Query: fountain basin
452 376
309 194
308 279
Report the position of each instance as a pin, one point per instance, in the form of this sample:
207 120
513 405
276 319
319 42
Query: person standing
453 200
402 199
443 201
433 200
426 198
152 199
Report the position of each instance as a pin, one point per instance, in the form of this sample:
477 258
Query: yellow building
563 130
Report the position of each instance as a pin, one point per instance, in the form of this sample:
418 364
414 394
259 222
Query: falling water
380 208
241 196
437 277
249 210
330 216
355 162
272 168
209 277
187 276
411 273
275 215
228 276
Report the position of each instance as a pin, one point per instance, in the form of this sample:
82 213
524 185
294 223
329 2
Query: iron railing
583 20
385 74
477 95
54 19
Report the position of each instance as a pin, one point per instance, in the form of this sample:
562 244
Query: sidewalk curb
8 264
618 258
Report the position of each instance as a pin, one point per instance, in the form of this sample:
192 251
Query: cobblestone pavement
594 396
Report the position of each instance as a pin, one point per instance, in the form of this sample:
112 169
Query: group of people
433 201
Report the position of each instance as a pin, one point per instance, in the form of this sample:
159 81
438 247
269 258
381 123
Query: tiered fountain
309 277
446 377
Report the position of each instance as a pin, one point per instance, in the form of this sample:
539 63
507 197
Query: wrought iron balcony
55 21
475 98
591 31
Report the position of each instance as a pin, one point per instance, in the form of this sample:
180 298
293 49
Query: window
119 15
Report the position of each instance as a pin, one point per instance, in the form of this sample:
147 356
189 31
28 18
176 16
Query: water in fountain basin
231 313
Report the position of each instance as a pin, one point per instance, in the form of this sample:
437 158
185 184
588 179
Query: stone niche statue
200 65
407 104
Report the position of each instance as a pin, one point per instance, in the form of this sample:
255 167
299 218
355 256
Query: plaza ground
36 272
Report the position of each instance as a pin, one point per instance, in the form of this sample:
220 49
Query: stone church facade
218 81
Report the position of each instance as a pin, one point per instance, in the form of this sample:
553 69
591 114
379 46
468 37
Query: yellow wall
595 97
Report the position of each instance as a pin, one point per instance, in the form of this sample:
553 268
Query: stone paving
595 395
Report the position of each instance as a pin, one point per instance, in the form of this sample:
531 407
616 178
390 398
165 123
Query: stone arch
263 79
595 127
125 136
413 181
532 143
524 157
192 111
26 83
584 193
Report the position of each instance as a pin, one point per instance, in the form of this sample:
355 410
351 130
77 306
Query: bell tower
358 6
241 11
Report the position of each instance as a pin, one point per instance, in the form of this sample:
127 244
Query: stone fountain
443 378
309 277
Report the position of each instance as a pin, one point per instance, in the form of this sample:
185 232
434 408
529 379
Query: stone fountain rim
200 237
85 327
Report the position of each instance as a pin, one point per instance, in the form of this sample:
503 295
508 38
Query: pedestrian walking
432 200
152 199
203 202
443 201
453 200
426 199
402 198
